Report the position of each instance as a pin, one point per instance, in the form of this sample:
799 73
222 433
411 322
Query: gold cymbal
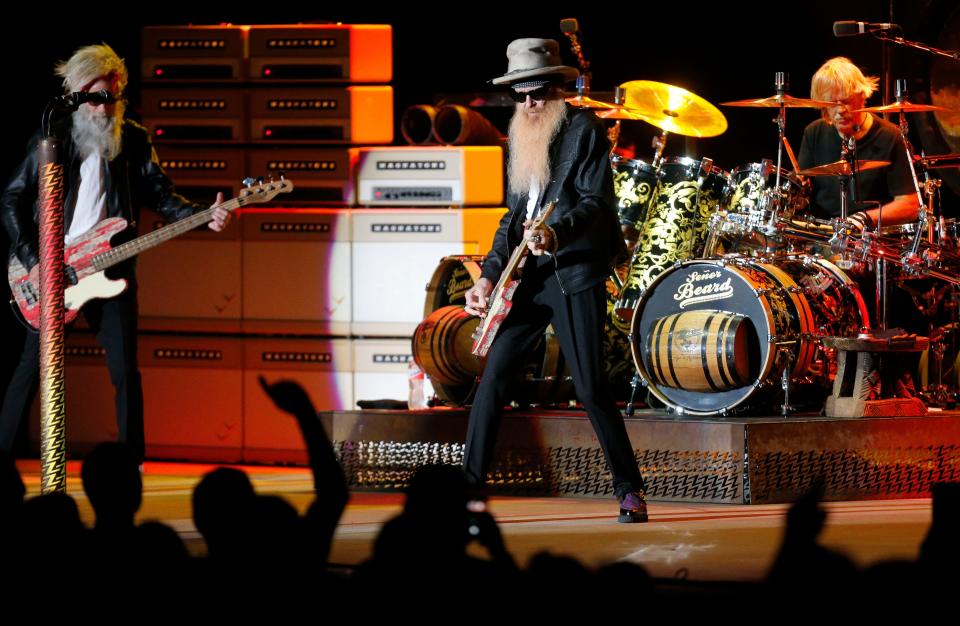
774 102
841 168
586 102
902 107
674 109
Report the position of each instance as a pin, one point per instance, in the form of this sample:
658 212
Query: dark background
724 51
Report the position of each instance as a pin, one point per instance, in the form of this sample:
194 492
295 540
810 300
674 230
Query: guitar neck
140 244
521 251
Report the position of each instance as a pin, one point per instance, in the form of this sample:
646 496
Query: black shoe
633 508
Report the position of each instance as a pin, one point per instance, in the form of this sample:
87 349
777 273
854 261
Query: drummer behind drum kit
732 295
730 292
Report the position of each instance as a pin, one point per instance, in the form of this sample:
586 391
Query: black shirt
821 145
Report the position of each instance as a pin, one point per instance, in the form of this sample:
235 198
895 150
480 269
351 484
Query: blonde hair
840 75
90 63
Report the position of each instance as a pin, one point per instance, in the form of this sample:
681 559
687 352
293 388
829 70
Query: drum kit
731 288
734 298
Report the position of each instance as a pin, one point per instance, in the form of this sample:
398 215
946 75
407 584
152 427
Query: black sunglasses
540 93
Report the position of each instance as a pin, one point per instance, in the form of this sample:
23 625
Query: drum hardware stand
911 258
787 356
781 84
635 385
659 143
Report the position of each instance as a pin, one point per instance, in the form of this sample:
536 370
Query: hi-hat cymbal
842 168
674 109
775 102
586 102
902 107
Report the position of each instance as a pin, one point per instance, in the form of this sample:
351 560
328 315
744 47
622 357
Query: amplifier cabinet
381 369
194 114
296 271
321 175
429 176
193 397
395 252
193 54
356 53
200 172
324 367
192 282
333 115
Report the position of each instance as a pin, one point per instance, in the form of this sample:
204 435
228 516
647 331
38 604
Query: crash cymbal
902 107
674 109
774 102
620 113
841 168
586 102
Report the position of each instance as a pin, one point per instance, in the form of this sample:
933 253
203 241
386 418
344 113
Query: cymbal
586 102
841 168
620 113
674 109
774 102
902 107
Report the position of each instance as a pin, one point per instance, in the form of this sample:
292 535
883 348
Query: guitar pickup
29 294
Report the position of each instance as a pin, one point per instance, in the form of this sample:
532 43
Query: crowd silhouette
441 557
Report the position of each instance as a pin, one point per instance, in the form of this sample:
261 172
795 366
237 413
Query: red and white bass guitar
501 298
89 256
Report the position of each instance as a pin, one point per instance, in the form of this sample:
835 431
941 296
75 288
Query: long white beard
530 146
98 134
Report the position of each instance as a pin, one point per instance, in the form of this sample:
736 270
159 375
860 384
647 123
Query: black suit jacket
585 221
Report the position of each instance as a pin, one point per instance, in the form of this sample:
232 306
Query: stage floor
697 541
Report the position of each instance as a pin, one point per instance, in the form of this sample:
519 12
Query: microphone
850 28
569 25
75 99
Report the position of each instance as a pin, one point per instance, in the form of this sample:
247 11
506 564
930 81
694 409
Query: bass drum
442 342
713 337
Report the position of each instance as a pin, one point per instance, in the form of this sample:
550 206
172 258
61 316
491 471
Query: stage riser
758 461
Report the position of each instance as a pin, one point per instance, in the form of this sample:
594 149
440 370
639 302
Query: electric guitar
501 298
91 254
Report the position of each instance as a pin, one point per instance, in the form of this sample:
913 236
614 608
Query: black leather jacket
585 221
134 179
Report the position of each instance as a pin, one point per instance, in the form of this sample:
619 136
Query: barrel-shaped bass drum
713 337
442 343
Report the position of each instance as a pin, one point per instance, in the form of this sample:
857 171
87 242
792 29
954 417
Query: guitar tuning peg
248 181
259 180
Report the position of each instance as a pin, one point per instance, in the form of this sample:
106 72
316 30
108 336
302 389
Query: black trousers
578 320
115 323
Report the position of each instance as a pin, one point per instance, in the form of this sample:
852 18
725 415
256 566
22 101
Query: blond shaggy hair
89 64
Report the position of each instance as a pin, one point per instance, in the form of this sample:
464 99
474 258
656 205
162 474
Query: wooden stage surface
697 541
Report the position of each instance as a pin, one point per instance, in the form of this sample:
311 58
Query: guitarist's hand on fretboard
540 240
220 216
477 297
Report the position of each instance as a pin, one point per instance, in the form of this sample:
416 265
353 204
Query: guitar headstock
259 191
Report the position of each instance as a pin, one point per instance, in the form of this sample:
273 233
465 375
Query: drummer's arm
901 210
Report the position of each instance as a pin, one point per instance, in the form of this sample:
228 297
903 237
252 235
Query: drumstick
793 159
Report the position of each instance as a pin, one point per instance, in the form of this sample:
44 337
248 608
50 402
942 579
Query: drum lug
797 289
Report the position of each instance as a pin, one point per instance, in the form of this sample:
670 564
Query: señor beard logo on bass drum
703 287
